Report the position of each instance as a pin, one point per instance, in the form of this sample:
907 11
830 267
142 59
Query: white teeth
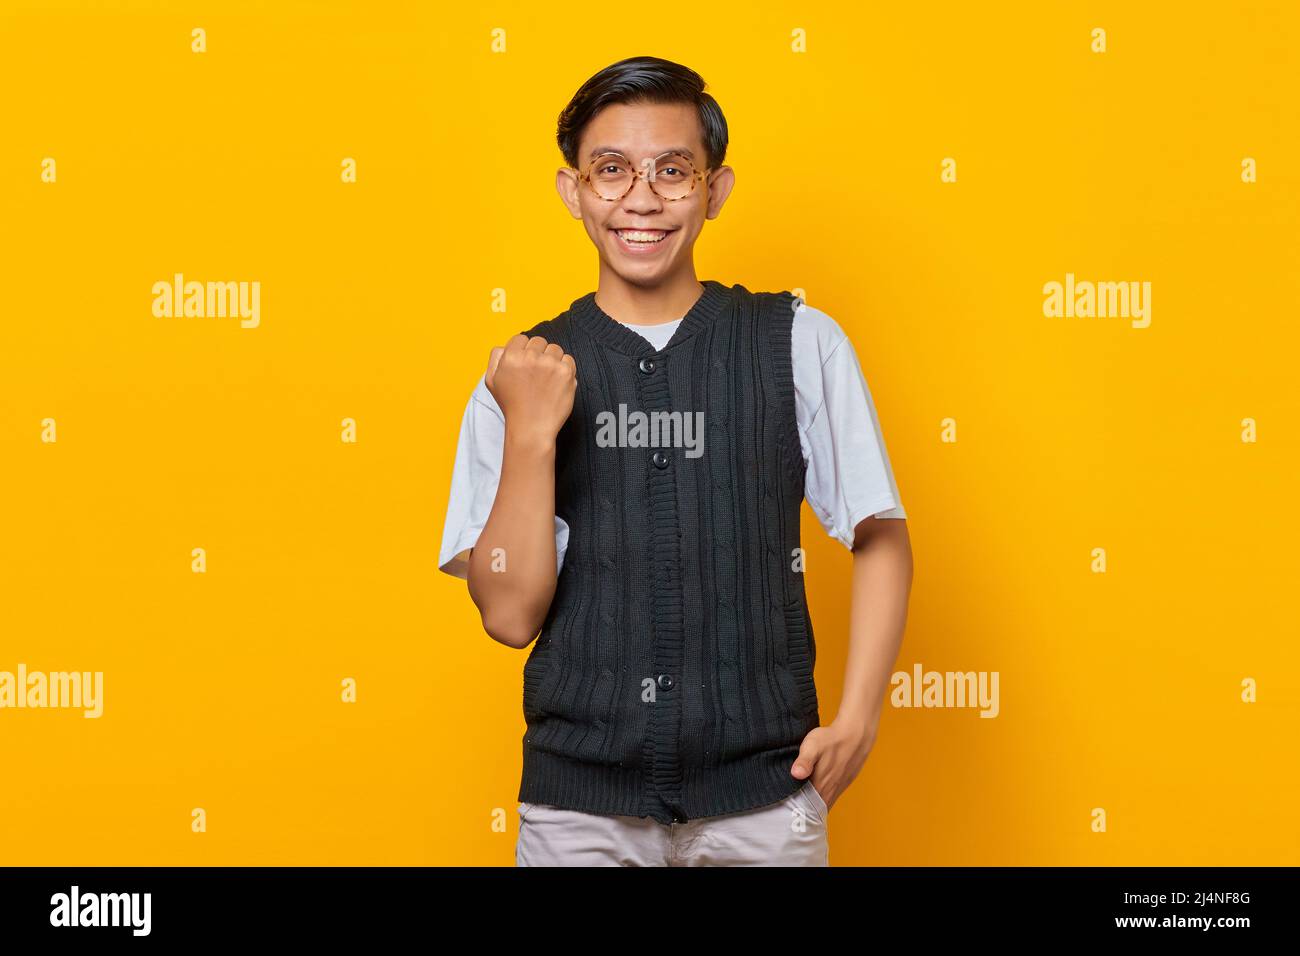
636 235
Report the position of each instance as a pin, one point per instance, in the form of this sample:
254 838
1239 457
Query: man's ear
721 181
566 184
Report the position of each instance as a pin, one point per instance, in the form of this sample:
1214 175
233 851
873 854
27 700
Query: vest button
666 682
646 365
660 459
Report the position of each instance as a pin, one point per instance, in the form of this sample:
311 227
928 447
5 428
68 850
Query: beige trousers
791 832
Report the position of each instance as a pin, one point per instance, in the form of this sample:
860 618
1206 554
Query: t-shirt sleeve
474 480
849 476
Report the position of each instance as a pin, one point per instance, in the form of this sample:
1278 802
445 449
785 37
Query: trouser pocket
814 799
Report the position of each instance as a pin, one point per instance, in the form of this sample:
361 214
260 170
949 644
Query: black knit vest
673 676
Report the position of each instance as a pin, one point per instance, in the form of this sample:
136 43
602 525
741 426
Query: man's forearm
882 582
512 567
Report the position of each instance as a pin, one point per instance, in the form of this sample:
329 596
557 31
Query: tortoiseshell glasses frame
643 173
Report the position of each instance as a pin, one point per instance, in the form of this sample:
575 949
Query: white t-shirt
848 474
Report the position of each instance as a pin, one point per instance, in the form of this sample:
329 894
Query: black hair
642 79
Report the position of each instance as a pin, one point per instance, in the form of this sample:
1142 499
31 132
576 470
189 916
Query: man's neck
647 305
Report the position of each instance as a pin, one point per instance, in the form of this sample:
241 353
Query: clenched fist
534 383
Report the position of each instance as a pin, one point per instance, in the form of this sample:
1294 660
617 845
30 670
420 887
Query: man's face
641 132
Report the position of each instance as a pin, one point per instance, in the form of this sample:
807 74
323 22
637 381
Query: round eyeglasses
671 176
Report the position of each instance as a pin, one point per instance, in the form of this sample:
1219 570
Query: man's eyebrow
679 150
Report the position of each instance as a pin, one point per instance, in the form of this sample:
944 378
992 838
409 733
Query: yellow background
1118 690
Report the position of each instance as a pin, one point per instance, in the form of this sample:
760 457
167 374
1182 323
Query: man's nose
641 196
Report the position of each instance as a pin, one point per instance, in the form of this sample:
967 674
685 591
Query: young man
629 480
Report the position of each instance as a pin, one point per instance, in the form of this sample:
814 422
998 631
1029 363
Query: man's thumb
493 360
808 754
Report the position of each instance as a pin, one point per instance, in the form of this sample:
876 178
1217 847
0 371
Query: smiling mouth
642 238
